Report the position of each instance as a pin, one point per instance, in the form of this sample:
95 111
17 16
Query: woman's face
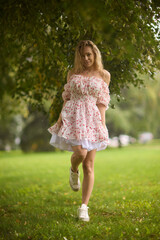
87 56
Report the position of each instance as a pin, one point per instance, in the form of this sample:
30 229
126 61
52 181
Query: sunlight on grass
36 201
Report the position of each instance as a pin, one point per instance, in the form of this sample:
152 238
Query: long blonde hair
78 66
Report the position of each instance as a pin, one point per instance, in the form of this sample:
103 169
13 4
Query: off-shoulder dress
81 118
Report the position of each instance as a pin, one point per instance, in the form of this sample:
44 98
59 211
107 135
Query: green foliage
37 202
139 110
117 122
11 113
38 40
34 136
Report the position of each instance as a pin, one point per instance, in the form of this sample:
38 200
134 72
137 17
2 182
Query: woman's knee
80 153
88 167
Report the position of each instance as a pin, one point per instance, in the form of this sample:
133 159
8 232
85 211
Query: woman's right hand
59 121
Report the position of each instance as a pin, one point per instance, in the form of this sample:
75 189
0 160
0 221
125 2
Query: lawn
36 201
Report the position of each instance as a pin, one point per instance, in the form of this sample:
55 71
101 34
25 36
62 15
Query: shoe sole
84 219
74 189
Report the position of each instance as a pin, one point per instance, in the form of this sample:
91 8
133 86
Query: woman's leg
88 176
77 157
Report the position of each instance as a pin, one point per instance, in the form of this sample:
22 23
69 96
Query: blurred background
37 47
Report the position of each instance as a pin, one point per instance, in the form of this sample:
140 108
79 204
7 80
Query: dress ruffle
104 95
58 141
65 144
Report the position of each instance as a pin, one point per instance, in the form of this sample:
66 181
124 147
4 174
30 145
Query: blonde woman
81 125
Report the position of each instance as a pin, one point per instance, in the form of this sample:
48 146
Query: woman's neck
89 70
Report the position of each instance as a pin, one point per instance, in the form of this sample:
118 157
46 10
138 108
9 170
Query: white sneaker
74 180
83 213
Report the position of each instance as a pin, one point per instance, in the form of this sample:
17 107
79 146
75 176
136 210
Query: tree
22 126
34 136
38 40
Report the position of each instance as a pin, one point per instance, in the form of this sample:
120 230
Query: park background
37 47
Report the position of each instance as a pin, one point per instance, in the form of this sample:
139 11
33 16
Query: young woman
81 125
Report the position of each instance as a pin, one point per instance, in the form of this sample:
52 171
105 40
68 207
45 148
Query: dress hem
66 144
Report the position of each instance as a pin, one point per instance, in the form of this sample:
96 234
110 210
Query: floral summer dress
81 118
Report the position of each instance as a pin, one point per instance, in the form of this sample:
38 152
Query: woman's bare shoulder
106 76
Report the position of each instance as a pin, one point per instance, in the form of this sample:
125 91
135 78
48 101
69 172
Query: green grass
36 201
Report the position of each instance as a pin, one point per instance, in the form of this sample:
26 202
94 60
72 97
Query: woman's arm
102 107
102 110
59 121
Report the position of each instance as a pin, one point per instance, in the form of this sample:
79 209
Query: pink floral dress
81 118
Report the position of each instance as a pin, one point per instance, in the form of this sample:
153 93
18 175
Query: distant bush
35 136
